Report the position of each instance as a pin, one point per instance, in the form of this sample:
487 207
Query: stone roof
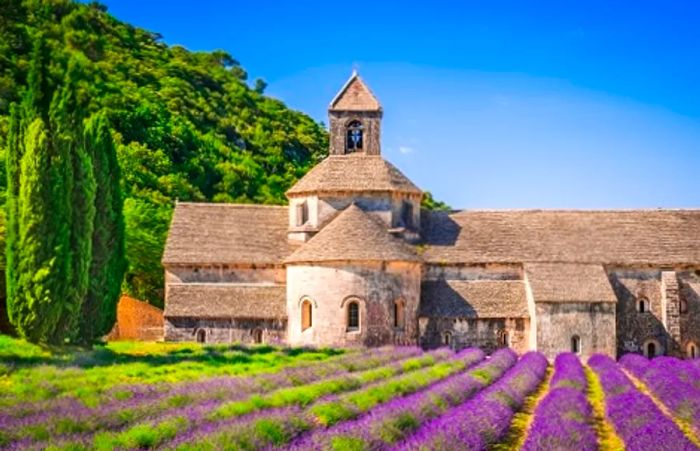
354 172
473 299
354 236
569 282
226 300
355 96
203 233
658 237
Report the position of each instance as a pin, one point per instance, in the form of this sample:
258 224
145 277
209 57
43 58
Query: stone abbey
353 260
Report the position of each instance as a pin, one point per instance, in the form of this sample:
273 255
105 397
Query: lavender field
182 397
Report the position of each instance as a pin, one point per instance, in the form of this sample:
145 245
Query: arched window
201 336
257 335
692 351
399 314
354 140
447 338
651 348
576 344
684 306
306 319
643 305
353 315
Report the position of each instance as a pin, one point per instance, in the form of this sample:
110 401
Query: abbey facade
353 260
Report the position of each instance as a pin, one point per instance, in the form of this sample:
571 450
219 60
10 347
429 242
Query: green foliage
186 125
35 373
429 203
108 263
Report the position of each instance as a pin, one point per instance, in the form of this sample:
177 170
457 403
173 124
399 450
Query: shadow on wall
441 307
638 331
438 228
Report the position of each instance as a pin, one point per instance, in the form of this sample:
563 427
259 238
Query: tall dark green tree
51 208
75 193
108 262
42 251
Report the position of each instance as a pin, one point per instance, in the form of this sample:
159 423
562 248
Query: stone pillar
672 308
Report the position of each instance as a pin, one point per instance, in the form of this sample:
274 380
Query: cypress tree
75 196
35 314
14 153
34 107
108 262
50 207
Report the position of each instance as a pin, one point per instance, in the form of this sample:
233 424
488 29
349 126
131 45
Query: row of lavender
396 398
676 383
564 417
128 404
189 415
637 420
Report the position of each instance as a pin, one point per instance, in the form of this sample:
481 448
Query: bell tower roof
355 96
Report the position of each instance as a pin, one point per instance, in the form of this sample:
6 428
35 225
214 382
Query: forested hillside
187 124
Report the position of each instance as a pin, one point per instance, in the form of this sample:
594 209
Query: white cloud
406 150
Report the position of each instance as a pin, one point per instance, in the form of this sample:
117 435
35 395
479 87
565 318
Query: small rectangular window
302 215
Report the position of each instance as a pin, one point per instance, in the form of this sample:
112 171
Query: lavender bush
485 419
563 418
635 417
68 416
392 421
234 432
673 381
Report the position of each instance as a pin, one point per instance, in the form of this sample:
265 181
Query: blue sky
498 104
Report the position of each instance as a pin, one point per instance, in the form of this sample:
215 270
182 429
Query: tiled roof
355 96
569 282
227 233
224 300
354 235
473 299
658 237
354 172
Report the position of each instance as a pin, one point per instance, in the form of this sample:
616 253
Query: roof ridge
231 205
354 77
364 237
572 210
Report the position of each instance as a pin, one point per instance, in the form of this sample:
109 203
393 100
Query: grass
34 373
523 419
608 440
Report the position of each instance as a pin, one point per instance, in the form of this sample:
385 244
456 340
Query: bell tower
355 117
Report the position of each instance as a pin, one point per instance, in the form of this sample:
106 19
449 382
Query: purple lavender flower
236 429
676 383
637 420
563 418
391 421
484 419
63 417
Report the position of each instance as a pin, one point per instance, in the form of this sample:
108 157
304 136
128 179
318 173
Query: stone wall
558 323
225 330
473 272
225 274
371 123
484 333
635 329
690 319
376 286
320 210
